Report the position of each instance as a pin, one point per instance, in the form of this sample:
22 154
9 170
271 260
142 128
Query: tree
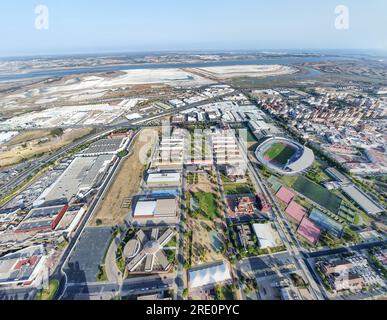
185 293
58 132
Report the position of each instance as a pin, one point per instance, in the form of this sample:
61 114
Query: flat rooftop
83 172
267 236
156 208
164 177
210 274
363 200
21 266
106 146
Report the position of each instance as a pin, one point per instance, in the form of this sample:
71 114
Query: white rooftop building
209 275
266 235
164 178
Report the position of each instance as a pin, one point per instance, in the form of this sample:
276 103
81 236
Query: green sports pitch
279 153
318 194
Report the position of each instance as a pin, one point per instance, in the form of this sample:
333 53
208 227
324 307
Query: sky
99 26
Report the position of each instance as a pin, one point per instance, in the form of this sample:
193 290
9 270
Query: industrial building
61 219
163 179
22 267
155 208
42 219
109 146
82 175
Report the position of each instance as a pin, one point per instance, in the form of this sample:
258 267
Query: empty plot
29 145
114 208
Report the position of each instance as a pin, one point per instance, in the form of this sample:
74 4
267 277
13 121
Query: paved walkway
114 275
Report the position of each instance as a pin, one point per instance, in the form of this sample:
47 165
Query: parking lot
83 264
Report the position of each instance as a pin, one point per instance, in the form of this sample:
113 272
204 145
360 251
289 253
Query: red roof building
264 205
241 206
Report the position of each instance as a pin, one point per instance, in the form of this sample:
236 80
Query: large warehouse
83 174
163 179
285 156
153 208
363 200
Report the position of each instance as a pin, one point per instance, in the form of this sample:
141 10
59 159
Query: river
74 71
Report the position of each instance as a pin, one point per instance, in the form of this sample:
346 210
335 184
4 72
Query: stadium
285 156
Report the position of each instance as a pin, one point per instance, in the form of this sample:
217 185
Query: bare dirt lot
202 184
115 206
206 244
28 145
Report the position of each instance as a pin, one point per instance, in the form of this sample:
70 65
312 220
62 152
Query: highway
134 124
19 179
358 247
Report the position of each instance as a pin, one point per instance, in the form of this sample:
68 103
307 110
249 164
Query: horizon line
202 51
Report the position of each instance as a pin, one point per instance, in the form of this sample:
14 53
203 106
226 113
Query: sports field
279 153
318 194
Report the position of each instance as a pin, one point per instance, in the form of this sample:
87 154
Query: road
358 247
141 285
19 179
287 237
179 281
59 273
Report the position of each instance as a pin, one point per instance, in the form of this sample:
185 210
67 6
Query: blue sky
87 26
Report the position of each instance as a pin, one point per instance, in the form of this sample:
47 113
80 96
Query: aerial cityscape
199 175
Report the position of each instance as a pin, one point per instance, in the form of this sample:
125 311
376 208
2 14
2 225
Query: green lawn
225 293
279 153
207 203
318 194
48 294
238 188
102 276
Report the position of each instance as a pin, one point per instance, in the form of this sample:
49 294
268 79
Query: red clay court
285 195
309 231
296 212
